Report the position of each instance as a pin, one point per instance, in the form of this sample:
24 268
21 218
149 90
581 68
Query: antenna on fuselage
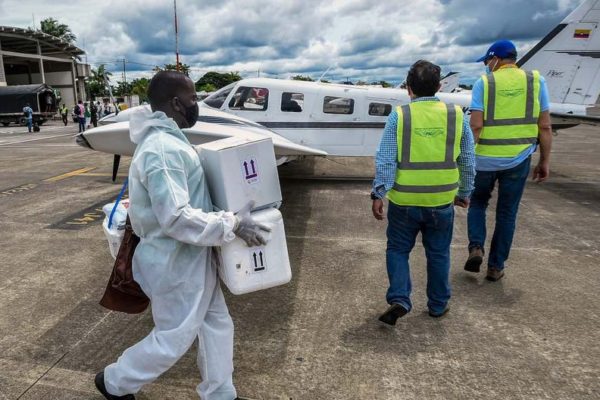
325 73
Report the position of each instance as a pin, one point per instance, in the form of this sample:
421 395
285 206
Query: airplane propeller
116 162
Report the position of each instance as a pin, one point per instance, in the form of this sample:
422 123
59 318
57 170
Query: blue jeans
435 225
81 124
29 124
511 183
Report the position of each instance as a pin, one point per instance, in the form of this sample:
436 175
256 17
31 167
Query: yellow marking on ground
69 174
102 174
18 189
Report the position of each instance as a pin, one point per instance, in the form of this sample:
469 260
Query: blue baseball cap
501 49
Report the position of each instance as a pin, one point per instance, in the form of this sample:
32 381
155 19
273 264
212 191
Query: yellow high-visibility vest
511 102
428 136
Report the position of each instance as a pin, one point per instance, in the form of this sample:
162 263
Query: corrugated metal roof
23 89
47 42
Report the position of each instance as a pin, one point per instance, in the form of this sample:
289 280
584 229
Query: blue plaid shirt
386 158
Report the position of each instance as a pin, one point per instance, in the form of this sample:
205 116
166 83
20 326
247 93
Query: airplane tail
569 57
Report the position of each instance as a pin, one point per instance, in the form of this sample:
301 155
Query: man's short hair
164 86
424 78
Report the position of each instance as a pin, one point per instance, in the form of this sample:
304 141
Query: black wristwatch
374 196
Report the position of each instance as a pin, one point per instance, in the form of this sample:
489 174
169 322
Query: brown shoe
494 274
475 259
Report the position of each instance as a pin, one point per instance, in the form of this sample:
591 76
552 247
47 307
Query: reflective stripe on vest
439 178
507 137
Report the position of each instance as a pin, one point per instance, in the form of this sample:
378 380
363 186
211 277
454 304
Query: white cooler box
247 269
239 170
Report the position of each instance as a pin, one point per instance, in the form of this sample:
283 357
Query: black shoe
99 381
392 314
440 314
475 259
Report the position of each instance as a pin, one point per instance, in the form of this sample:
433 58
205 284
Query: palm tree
52 27
173 67
98 81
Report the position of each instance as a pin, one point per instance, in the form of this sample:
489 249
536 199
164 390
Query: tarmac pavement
532 335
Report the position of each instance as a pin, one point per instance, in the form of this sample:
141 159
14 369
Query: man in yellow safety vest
509 117
425 164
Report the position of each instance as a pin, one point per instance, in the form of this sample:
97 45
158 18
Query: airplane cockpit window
217 99
380 109
338 105
292 102
250 99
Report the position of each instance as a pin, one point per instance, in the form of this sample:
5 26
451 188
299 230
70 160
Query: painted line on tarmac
23 188
37 139
29 186
83 218
69 174
102 174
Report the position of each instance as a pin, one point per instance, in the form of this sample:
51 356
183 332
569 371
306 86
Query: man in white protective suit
171 211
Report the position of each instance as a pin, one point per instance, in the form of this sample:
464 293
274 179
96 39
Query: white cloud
359 39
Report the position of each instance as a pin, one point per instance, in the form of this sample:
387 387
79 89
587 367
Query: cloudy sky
359 39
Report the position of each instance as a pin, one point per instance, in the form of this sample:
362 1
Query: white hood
143 121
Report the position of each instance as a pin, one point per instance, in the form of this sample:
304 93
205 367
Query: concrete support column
2 73
42 73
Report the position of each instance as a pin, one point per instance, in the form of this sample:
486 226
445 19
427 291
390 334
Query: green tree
207 87
302 78
217 80
122 89
173 67
139 86
52 27
384 84
97 83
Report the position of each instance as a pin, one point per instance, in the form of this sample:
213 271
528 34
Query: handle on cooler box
112 213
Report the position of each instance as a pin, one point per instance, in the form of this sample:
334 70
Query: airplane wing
114 138
565 120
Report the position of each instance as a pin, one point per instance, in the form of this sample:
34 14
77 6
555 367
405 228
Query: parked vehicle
14 98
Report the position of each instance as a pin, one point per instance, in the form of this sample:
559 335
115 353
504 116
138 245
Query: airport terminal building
28 57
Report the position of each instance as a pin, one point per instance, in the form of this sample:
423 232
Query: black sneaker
392 314
99 381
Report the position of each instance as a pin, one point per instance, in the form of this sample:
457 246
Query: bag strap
112 213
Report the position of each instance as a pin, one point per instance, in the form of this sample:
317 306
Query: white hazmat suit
171 212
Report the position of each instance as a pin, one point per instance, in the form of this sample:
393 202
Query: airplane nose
82 141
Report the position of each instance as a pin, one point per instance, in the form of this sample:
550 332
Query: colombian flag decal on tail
582 33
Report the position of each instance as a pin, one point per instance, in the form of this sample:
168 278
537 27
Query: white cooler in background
239 170
247 269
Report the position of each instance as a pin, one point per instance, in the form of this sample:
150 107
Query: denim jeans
435 225
81 124
511 183
29 124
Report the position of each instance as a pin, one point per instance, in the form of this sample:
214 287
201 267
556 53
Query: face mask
190 114
488 69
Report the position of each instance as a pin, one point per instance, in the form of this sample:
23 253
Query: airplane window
217 99
338 105
380 109
250 99
292 102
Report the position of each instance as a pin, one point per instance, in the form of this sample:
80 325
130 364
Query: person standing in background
28 113
94 114
64 114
